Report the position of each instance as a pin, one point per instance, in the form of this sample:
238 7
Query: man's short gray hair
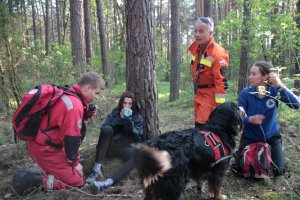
92 78
206 20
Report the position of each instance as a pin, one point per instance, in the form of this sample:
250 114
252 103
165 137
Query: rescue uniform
56 150
209 72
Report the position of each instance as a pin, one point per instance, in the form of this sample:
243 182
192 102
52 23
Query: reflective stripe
208 63
67 101
193 58
220 98
50 182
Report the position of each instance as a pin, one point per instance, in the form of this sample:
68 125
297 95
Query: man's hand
92 111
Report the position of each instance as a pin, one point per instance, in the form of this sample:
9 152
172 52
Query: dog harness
221 152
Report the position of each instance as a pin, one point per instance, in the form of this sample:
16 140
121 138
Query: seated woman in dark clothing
123 126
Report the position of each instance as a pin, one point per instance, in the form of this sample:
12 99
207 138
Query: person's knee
106 131
126 153
278 170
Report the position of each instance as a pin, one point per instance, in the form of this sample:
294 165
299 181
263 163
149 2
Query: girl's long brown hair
130 95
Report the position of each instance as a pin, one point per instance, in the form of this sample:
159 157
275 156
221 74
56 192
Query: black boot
25 181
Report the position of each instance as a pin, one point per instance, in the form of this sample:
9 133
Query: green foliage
117 62
6 133
273 33
40 69
286 114
163 65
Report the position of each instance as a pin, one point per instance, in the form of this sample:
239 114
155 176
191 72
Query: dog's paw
221 197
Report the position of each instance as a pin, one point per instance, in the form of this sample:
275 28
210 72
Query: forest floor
173 116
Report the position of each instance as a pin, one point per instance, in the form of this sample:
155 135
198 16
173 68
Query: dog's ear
213 112
228 112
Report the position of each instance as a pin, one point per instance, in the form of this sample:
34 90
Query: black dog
167 163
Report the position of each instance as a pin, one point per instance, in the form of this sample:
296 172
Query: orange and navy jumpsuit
56 150
209 72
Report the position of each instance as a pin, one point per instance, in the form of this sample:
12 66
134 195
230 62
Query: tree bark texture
88 29
77 35
175 51
244 60
207 8
58 21
297 60
101 24
34 23
199 8
47 28
140 61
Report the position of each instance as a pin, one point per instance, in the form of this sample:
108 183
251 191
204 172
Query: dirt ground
14 156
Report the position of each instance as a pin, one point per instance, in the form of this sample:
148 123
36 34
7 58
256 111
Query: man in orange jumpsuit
209 70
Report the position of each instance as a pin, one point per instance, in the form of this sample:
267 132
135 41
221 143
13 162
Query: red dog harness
221 152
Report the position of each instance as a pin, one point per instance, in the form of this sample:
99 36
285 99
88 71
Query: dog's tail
151 163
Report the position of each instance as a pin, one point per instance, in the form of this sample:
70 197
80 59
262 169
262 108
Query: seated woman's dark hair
130 95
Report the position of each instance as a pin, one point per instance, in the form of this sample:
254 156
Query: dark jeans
277 154
110 146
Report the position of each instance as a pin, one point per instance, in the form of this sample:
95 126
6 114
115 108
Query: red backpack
36 103
256 160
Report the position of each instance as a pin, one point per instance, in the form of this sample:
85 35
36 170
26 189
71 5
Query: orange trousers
204 103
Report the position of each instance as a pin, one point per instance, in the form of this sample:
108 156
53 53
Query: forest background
141 45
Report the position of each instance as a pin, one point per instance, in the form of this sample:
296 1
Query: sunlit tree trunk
58 21
207 8
244 60
34 23
77 36
140 60
101 24
175 51
47 28
23 6
87 28
199 8
296 55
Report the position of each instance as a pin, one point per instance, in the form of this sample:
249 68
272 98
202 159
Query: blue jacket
131 127
267 106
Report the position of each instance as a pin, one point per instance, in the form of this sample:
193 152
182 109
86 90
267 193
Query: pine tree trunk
87 28
297 60
77 35
244 60
140 60
207 8
47 28
175 51
100 17
34 23
58 21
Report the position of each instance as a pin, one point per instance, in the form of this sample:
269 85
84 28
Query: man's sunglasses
205 20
